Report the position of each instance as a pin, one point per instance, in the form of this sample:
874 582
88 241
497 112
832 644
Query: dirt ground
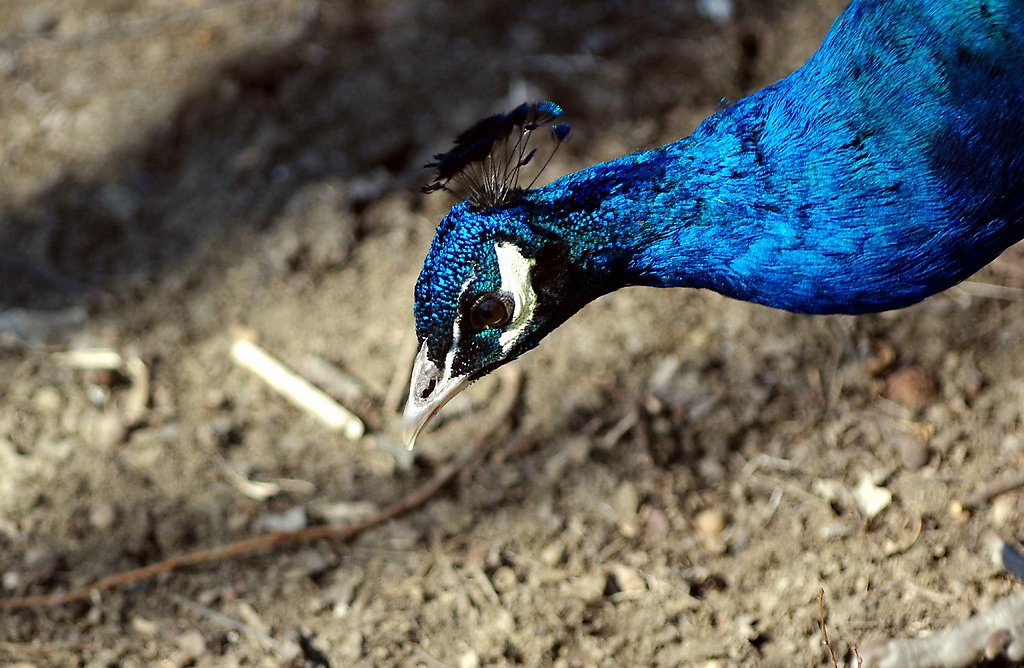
682 475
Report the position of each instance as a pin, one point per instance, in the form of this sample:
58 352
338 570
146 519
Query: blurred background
683 475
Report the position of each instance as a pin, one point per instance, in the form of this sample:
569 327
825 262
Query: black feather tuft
484 165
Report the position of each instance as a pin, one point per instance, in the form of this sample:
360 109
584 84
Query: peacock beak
429 389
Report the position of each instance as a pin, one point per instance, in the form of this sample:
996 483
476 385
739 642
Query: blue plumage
886 169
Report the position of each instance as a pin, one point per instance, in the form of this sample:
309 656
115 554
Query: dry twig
505 404
989 634
824 628
297 389
824 635
996 632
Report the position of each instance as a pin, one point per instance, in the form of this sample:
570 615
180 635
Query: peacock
888 168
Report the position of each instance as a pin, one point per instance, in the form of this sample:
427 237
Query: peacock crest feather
485 166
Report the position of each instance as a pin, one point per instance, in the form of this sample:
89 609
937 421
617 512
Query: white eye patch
516 279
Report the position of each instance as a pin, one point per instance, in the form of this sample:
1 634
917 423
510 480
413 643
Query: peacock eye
491 310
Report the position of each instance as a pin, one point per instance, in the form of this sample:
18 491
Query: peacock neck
809 196
712 211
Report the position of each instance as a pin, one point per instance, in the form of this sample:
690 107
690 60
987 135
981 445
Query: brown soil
680 480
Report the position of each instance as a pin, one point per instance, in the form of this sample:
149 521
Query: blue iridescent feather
888 168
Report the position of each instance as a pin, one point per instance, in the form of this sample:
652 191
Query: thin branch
418 497
993 633
824 628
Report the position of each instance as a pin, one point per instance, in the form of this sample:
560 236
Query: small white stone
102 516
870 498
1003 510
48 400
469 660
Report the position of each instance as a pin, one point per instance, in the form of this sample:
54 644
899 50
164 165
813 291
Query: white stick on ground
91 359
296 389
990 634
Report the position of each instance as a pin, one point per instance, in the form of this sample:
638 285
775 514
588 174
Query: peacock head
486 293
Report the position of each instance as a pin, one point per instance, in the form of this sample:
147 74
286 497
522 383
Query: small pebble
48 400
192 643
102 516
469 660
862 583
710 525
912 387
11 580
913 453
552 555
957 511
504 579
1003 510
97 395
1012 444
145 627
711 522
